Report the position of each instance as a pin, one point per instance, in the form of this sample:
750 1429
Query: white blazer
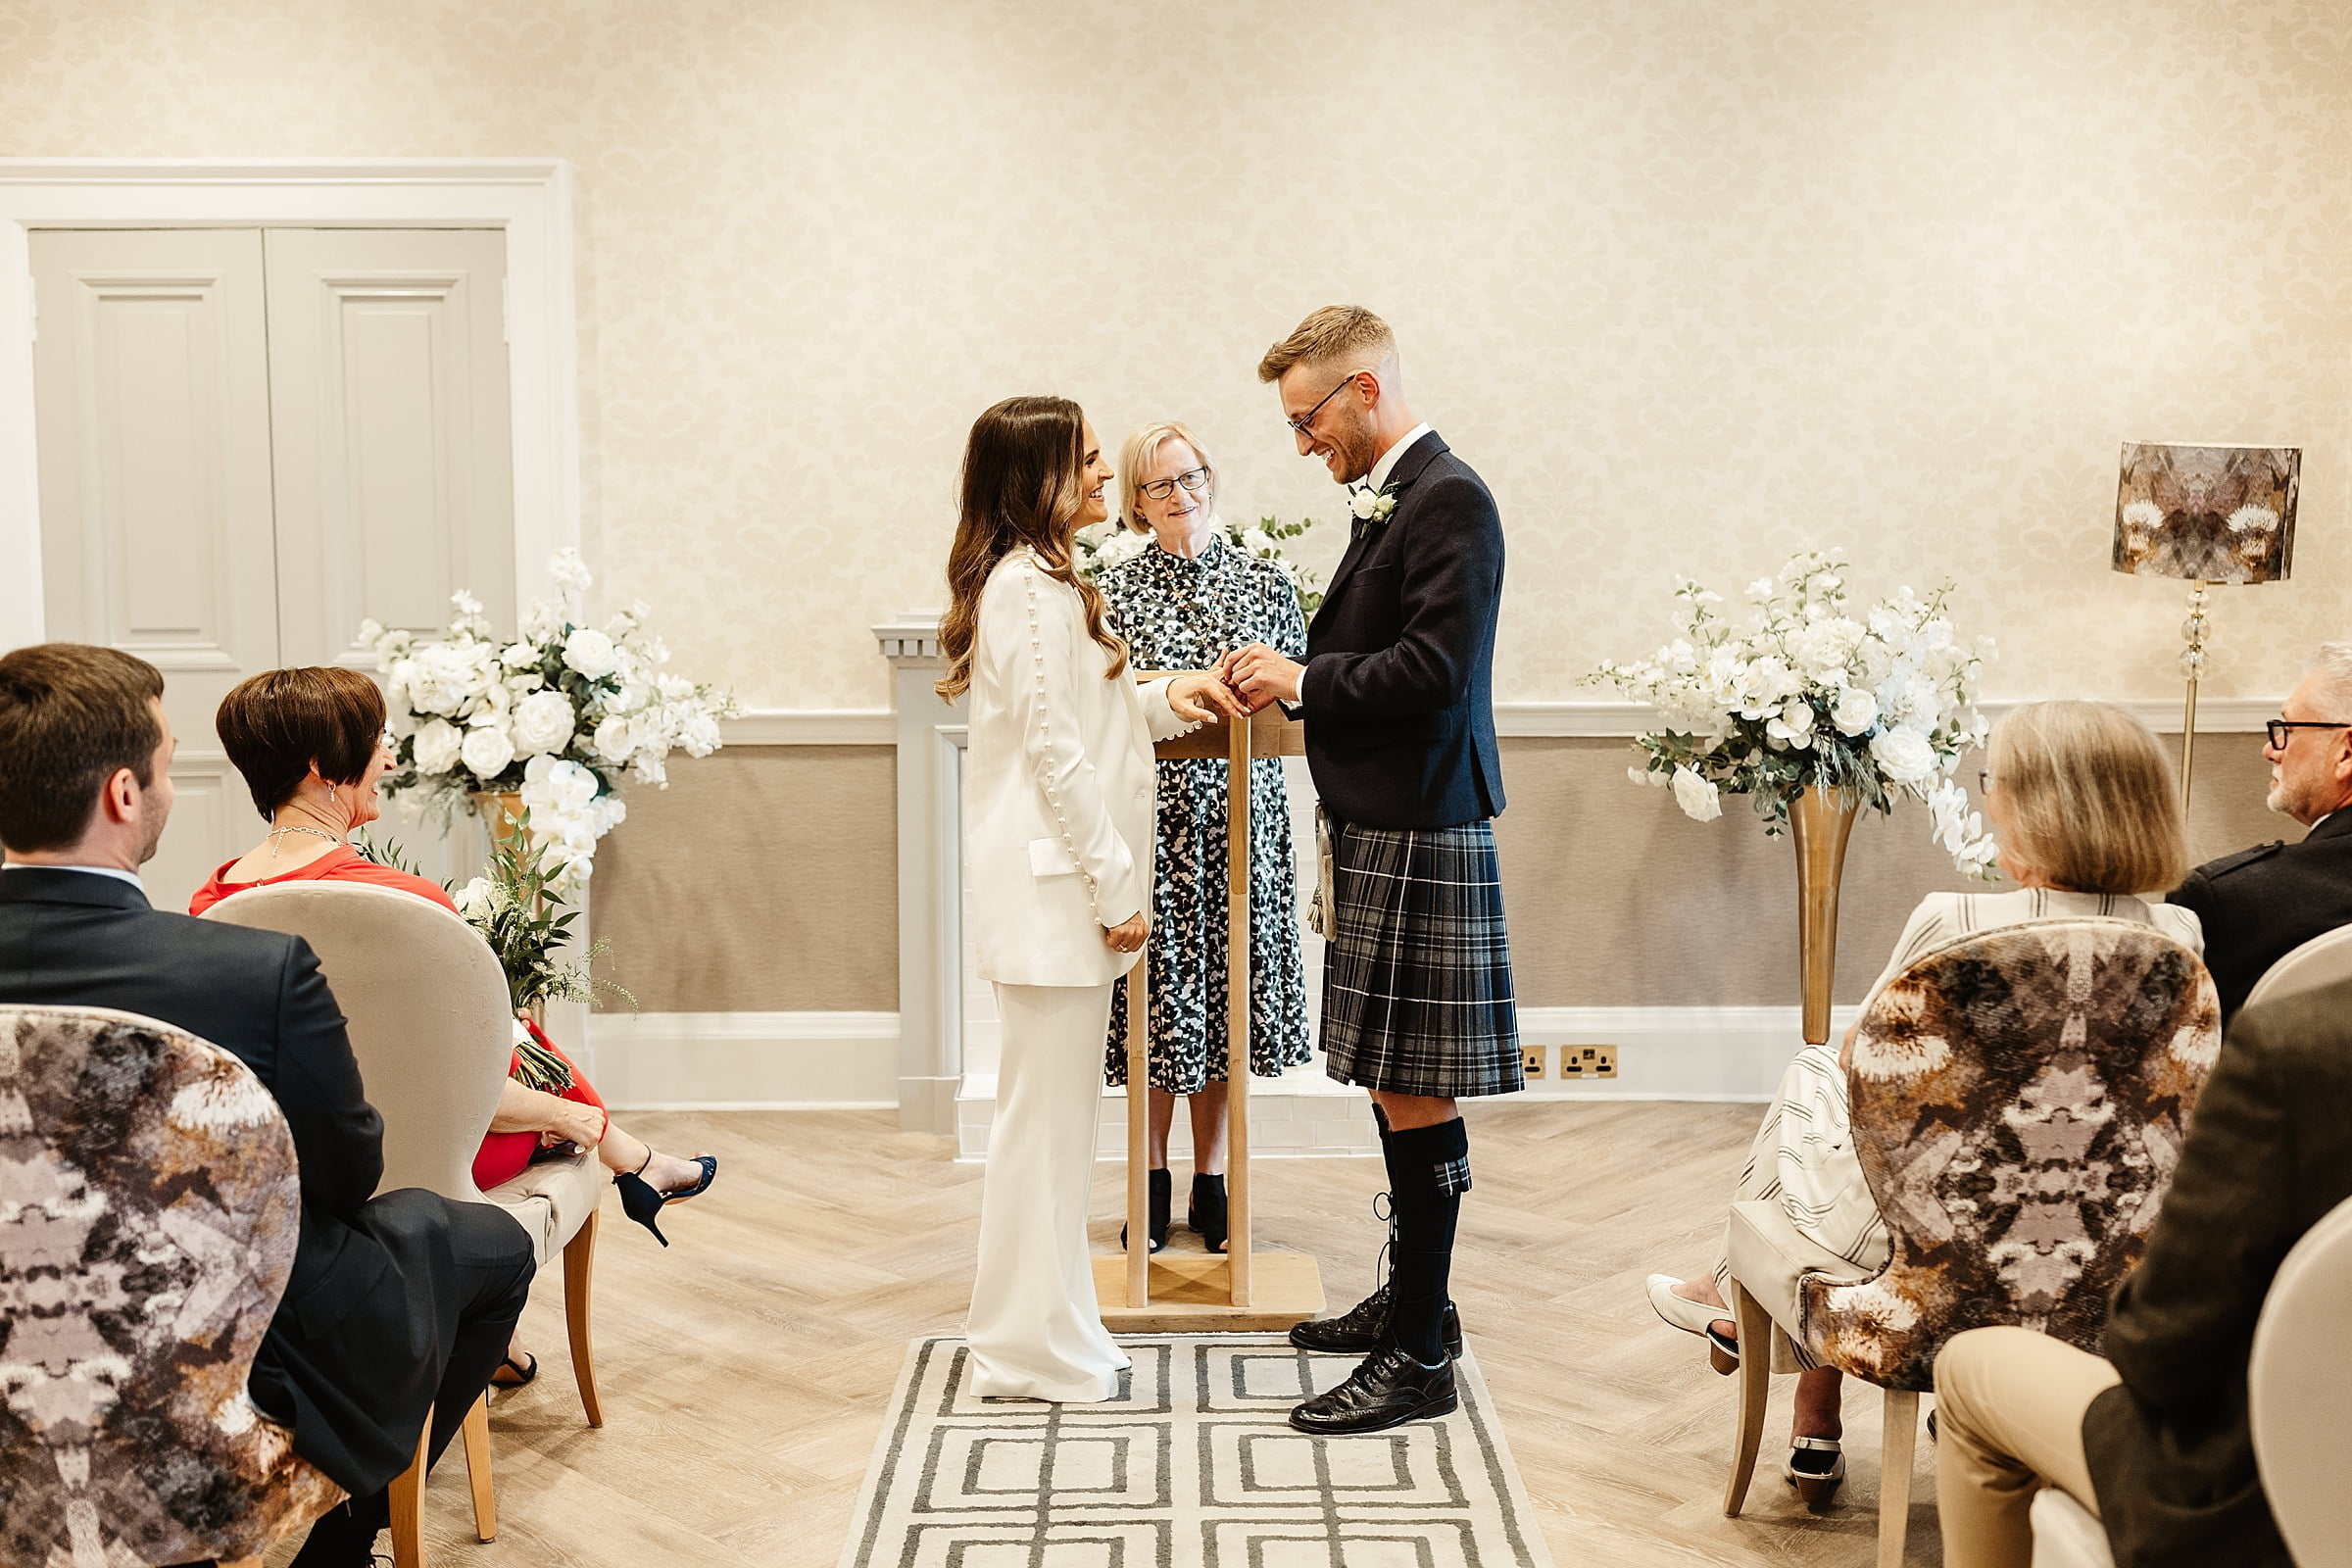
1060 788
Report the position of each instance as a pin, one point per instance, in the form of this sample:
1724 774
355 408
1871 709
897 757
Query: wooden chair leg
579 1270
408 1505
477 1470
243 1562
1755 1382
1902 1436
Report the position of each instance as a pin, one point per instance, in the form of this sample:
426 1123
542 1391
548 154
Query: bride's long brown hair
1021 471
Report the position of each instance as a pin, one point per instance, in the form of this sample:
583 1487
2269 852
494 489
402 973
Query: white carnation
487 751
438 745
1698 799
1855 712
541 722
590 651
1904 755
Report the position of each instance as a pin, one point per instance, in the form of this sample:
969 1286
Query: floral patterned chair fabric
148 1213
2017 1102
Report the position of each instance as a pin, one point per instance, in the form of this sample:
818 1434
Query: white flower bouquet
1109 544
1802 693
559 715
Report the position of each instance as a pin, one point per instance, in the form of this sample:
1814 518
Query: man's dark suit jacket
2261 904
2268 1153
1398 692
349 1361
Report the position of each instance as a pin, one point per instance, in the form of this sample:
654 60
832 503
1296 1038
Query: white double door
251 440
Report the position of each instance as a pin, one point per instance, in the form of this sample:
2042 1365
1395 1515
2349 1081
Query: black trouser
490 1281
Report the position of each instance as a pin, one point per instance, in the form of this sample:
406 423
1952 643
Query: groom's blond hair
1335 335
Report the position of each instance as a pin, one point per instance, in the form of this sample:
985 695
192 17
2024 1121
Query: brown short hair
2091 797
1333 334
279 722
71 714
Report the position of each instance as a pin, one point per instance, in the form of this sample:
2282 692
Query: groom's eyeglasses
1305 423
2281 728
1194 479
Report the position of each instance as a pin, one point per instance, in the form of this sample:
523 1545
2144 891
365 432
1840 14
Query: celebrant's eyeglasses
1303 425
2279 728
1194 479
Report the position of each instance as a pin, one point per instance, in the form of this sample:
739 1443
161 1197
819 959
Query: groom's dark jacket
1398 692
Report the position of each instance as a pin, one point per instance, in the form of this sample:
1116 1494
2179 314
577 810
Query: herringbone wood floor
746 1368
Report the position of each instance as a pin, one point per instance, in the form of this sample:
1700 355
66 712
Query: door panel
394 480
151 383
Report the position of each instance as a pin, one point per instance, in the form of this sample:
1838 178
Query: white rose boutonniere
1369 504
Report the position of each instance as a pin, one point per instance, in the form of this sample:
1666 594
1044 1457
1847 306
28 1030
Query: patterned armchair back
148 1214
2019 1101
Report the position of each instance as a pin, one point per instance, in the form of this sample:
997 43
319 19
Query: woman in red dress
312 747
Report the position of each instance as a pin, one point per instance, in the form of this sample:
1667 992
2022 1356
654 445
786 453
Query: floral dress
1185 614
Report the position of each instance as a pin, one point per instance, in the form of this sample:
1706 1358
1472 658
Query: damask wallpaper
1692 284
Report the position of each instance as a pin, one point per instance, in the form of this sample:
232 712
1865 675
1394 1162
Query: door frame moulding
529 198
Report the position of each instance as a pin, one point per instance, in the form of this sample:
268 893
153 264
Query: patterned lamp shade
2207 514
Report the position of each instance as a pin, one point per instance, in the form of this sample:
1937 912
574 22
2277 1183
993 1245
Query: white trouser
1033 1328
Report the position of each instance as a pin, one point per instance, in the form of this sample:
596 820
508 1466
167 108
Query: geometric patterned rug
1192 1466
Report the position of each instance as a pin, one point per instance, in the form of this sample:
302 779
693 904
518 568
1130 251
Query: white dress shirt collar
1379 478
114 871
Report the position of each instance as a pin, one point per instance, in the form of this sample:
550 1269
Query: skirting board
849 1061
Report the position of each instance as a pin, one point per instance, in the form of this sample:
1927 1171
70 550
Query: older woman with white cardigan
1058 835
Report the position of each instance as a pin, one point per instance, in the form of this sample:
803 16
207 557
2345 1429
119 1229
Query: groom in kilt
1398 697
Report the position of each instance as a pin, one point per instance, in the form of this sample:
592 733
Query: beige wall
764 879
1692 284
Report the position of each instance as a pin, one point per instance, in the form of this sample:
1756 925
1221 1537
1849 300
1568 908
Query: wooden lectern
1200 1292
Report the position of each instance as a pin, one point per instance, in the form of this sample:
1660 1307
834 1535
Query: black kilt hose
1399 710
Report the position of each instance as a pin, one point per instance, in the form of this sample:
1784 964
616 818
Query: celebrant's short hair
279 722
1337 335
2091 797
1139 451
2332 663
70 716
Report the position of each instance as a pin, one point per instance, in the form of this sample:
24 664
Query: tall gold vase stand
1818 821
1244 1289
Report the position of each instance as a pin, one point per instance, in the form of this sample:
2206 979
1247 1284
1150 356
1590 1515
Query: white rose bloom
541 722
478 899
438 745
590 651
1699 799
1856 711
1363 501
615 739
519 656
1903 754
487 752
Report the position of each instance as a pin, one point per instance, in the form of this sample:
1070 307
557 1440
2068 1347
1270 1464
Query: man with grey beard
2259 904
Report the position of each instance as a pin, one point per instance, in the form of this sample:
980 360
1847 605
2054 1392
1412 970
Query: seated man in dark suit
395 1302
2259 904
2153 1437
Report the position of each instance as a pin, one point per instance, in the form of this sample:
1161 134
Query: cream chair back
2322 961
2299 1387
426 1005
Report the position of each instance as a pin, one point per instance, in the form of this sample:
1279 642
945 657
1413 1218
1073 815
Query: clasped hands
1243 682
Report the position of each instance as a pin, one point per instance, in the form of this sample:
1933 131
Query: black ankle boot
1205 1215
1162 1198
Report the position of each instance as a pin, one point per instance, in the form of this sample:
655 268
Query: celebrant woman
310 744
1058 846
1184 601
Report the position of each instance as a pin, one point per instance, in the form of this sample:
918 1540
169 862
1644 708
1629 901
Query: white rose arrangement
562 715
1877 707
1110 544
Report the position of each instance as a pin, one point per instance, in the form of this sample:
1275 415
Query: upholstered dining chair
2322 961
427 1006
151 1203
2018 1103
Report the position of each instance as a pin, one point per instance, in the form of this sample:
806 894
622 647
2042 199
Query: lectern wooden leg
1138 1136
1236 1011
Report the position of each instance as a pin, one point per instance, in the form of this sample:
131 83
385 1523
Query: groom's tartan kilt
1417 979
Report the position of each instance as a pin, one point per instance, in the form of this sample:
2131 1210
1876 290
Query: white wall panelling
747 1060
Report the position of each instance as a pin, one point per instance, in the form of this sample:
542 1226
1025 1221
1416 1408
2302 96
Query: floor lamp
2210 515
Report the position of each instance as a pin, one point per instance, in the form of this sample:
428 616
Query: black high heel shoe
641 1201
1162 1196
1205 1215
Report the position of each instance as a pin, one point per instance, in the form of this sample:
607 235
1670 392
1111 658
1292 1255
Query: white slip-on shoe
1693 1317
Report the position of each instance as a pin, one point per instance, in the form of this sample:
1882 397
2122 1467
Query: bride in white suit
1058 837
